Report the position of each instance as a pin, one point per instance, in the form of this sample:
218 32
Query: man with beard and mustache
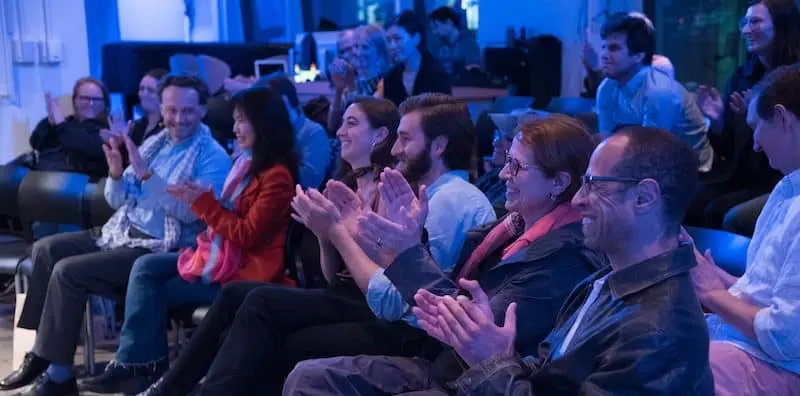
68 267
635 93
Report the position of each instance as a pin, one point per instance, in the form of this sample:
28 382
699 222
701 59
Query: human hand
738 102
710 102
113 158
707 276
316 212
346 202
54 113
186 192
138 164
399 200
342 75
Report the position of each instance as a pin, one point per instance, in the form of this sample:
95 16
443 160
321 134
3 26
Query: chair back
97 211
504 104
302 257
570 106
729 249
10 181
53 197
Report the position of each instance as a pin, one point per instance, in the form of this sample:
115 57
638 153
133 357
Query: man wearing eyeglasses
633 328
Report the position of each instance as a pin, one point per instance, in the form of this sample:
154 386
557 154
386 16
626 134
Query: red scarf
512 225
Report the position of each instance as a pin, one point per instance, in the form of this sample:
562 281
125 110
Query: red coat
261 231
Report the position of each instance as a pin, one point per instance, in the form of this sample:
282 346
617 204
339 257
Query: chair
10 180
97 210
571 106
729 249
504 104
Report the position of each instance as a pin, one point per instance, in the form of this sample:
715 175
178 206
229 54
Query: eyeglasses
590 180
514 166
93 100
754 23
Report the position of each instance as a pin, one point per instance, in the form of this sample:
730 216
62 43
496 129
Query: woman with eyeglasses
771 31
72 143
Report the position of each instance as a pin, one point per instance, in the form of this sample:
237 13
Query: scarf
513 225
116 231
217 260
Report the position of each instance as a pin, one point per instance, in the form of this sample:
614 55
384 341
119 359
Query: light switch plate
50 51
23 51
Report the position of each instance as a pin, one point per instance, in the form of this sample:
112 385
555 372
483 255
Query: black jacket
71 146
644 335
431 77
538 278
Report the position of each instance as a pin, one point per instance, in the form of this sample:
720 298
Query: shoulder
211 151
606 88
459 193
277 174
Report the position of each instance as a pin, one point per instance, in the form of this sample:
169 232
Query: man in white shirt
755 325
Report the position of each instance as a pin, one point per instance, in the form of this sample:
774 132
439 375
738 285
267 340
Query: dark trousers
712 201
362 376
67 268
741 219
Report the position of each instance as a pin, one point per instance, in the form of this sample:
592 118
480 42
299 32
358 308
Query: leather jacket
645 334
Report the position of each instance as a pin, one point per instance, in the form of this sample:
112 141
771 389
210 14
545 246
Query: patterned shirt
653 99
771 281
454 207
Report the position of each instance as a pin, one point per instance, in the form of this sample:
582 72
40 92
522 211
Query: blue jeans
154 287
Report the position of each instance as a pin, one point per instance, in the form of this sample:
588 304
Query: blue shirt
314 147
653 99
454 207
150 202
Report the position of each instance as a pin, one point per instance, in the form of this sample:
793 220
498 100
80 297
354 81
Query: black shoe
127 379
155 389
44 386
32 367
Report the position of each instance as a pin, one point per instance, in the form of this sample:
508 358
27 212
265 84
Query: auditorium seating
728 249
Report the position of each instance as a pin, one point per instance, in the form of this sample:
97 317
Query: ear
416 39
561 183
647 195
203 110
786 118
438 145
640 58
382 134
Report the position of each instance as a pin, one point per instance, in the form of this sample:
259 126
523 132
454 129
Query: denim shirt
314 147
152 203
454 207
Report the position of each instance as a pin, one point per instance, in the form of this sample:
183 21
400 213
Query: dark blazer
538 278
71 146
644 335
431 77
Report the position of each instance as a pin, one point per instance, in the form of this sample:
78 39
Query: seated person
72 143
755 348
633 93
310 139
245 238
151 123
68 267
458 49
633 328
742 218
535 255
415 71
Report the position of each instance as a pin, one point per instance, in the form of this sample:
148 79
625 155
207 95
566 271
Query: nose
396 149
579 199
340 132
505 173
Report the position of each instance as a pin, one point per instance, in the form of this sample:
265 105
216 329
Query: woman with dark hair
72 143
150 123
415 71
245 240
771 30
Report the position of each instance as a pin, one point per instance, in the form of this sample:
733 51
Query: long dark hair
786 25
380 113
274 135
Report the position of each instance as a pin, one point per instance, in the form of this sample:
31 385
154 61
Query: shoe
44 386
154 390
127 379
32 367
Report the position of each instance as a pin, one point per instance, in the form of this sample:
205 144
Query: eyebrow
349 118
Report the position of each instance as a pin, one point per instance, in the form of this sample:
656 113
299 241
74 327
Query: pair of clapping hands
339 209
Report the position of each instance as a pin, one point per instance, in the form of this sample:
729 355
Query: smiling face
617 61
412 149
89 102
181 111
243 129
357 137
757 29
148 94
528 189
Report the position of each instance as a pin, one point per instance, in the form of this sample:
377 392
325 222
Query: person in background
151 123
311 139
458 49
72 143
68 267
534 256
301 320
755 341
634 94
245 239
771 31
415 70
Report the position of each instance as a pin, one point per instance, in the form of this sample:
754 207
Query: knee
306 375
739 221
43 246
63 270
144 267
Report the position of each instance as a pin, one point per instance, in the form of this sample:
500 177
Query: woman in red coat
245 239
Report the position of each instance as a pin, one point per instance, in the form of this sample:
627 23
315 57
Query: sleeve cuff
764 326
383 299
485 371
203 203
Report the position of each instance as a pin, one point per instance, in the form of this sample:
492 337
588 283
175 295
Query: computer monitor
265 67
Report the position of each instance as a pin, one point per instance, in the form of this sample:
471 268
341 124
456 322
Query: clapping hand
707 277
117 128
138 164
342 74
54 113
113 157
399 200
467 325
186 192
710 102
738 102
316 212
346 202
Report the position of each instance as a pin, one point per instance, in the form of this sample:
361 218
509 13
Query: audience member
72 143
740 220
755 348
415 71
534 256
633 93
245 238
634 328
68 267
458 49
771 31
369 130
311 140
151 122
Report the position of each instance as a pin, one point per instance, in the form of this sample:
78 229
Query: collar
791 182
636 82
651 272
445 178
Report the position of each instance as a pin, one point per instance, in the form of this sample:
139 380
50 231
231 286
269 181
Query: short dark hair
444 14
281 83
158 74
653 153
638 36
380 113
411 23
185 81
779 87
444 115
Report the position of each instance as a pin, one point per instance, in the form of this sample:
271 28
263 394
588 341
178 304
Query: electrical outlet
50 51
23 51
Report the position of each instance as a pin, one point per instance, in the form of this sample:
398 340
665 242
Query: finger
474 312
475 290
448 333
422 314
298 218
433 330
427 297
510 322
423 202
708 256
426 306
457 319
